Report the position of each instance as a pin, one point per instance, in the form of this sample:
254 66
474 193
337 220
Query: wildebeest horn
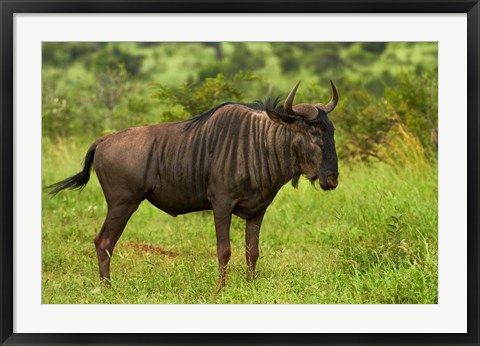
289 101
332 103
304 110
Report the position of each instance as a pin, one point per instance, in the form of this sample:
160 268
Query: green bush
196 98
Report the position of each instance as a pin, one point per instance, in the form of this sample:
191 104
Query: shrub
196 98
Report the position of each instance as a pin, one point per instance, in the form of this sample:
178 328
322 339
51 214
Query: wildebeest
232 159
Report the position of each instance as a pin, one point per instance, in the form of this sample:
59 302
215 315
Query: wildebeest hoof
106 282
220 285
251 276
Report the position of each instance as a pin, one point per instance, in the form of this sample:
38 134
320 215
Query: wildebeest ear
282 118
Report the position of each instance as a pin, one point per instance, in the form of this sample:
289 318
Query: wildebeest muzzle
329 181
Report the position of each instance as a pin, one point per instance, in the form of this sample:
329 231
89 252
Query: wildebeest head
313 143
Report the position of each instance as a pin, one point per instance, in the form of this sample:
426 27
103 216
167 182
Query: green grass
371 241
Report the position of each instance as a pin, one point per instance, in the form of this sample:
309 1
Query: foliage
239 58
196 98
77 103
96 56
415 101
366 122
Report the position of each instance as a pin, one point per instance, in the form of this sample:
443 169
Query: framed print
296 173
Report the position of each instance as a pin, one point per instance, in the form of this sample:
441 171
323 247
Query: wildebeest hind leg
117 218
252 233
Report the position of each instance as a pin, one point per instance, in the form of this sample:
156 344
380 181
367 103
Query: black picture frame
9 7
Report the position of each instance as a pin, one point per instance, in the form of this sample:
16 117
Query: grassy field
371 241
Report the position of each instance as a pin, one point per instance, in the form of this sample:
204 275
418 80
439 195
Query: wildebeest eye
318 123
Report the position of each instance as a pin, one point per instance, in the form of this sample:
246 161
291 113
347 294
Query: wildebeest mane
269 102
258 105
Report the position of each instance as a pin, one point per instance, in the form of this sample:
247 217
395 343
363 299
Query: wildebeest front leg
252 234
222 229
117 218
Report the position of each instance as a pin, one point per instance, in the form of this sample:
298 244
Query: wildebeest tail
79 180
